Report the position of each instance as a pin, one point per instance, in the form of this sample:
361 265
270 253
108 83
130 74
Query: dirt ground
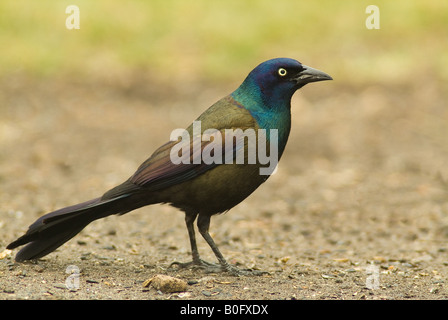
358 209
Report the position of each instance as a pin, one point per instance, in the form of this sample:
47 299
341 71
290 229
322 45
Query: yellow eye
282 72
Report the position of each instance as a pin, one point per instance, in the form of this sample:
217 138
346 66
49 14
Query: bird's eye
282 72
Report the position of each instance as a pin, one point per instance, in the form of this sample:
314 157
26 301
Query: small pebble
206 293
8 290
111 247
91 281
166 284
60 286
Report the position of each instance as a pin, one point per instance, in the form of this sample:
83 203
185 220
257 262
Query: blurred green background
176 40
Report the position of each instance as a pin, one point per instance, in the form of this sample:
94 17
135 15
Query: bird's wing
159 171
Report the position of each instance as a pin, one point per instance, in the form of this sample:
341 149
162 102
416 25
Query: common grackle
181 178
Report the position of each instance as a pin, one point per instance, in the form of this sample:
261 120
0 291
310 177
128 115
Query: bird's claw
207 266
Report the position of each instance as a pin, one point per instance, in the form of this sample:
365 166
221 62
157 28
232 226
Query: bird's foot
199 263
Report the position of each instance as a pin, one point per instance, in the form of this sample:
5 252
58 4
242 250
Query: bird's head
275 81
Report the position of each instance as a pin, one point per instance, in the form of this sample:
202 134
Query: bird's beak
311 75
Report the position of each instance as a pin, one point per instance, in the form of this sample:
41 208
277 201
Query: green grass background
218 40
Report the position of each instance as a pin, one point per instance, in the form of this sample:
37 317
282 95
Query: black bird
200 173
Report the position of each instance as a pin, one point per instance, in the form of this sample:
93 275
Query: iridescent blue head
272 84
267 91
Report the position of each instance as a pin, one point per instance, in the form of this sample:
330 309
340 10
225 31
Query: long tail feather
55 228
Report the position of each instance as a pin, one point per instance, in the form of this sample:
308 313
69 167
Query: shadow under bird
200 189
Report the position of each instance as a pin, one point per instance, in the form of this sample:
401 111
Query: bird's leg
203 226
189 220
197 261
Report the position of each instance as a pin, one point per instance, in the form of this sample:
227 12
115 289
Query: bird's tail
55 228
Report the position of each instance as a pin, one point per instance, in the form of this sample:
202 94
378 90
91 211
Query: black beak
310 75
